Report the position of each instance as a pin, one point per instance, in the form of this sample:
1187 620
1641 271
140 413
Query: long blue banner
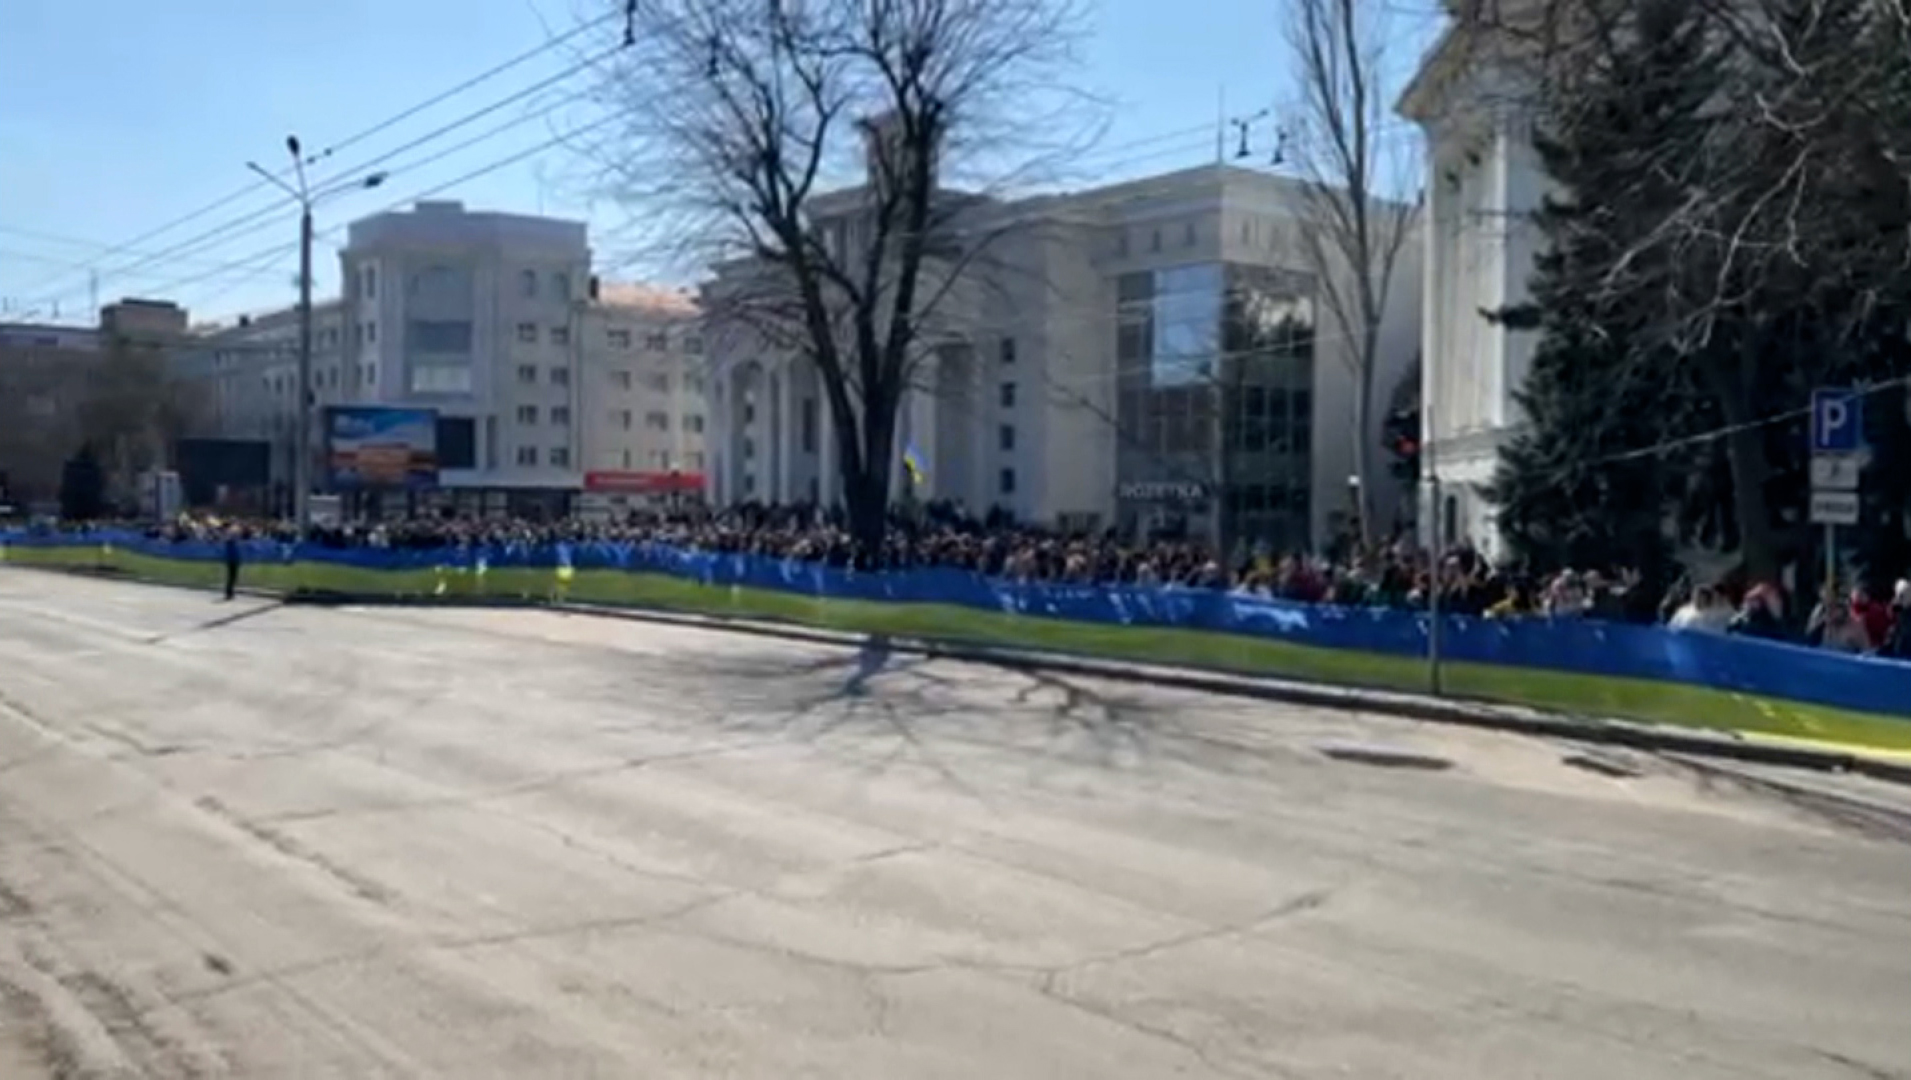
1730 664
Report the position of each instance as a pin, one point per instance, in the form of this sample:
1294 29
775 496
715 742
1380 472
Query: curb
1459 712
1487 716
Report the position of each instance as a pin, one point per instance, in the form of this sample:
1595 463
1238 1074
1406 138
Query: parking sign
1837 421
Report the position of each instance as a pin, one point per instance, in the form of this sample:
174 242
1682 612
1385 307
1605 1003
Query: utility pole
302 461
302 419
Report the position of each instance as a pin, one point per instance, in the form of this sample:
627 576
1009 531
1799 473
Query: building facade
1149 356
64 387
1472 98
492 321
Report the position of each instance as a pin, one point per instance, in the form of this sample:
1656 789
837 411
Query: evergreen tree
1582 484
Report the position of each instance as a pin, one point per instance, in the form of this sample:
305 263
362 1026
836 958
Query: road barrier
1570 665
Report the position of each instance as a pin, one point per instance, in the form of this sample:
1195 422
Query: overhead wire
200 241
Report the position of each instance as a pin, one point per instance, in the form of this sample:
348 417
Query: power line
351 140
279 250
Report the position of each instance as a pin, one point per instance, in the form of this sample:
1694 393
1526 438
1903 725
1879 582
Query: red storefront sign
628 482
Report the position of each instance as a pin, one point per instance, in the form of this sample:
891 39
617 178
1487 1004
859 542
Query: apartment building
1151 356
493 321
645 417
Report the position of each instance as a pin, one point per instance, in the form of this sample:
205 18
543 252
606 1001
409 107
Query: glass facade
1215 405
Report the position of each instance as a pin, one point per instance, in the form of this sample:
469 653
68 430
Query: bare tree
804 145
1354 224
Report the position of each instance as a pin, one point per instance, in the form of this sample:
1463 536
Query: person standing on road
232 564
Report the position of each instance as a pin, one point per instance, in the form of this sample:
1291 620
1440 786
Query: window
657 421
620 339
527 455
693 423
527 374
560 335
658 383
660 459
693 384
1007 350
749 412
358 334
1005 436
693 345
560 457
527 332
623 418
657 341
527 414
749 449
453 379
693 460
621 378
1008 395
371 332
626 459
527 282
1188 237
561 415
560 376
1006 482
438 336
368 280
561 285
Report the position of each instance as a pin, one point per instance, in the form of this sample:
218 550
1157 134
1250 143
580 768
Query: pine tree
1581 483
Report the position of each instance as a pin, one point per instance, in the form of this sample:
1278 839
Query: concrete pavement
257 841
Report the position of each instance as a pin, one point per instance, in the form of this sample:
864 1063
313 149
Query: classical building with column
1472 98
1149 356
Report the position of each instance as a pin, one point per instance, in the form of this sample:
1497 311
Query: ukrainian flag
912 464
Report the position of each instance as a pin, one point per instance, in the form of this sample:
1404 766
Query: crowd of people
1396 575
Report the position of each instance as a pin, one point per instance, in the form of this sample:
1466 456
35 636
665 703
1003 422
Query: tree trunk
1363 448
1745 451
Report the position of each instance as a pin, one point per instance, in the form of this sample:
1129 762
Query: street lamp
302 458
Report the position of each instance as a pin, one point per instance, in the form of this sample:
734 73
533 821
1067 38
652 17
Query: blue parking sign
1837 421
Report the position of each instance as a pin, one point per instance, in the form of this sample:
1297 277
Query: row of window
654 341
560 415
559 457
657 421
660 460
527 375
658 382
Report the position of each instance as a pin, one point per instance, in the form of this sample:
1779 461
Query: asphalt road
249 841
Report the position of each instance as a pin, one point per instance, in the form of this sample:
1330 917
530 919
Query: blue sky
120 116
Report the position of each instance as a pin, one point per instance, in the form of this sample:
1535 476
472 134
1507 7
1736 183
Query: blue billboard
380 448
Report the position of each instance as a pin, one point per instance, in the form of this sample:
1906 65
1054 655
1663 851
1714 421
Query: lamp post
302 420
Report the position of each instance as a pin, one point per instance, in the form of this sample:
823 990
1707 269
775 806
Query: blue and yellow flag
912 464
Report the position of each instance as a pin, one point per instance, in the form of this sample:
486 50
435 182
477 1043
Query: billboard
381 448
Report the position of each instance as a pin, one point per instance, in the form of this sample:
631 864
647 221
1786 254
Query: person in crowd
1834 624
1706 612
1761 614
1897 643
1872 616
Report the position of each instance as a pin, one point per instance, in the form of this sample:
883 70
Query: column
829 482
789 433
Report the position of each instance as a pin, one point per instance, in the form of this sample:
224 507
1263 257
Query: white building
1113 358
1472 98
492 321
